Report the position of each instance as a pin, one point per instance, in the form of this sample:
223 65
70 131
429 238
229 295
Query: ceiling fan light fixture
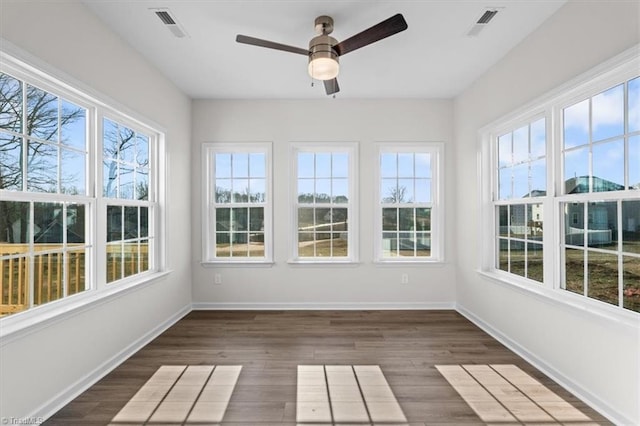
323 60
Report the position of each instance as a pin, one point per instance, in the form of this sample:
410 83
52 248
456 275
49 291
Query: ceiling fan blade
270 44
331 86
384 29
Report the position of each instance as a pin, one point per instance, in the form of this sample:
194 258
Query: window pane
389 244
240 190
130 258
503 254
72 172
240 165
256 245
256 219
142 150
126 188
257 165
144 255
389 191
576 170
388 165
517 228
114 223
340 191
538 139
574 224
127 145
223 246
576 124
76 268
405 191
634 104
505 183
423 165
323 219
521 145
223 190
339 246
10 162
257 190
110 178
340 165
423 219
76 223
223 166
48 226
48 271
423 244
521 180
631 279
535 218
131 223
503 221
423 190
115 261
306 165
306 220
406 246
405 165
339 220
42 168
603 276
42 109
631 226
608 113
142 184
608 165
602 225
574 270
14 224
390 219
11 97
323 191
305 190
634 162
239 219
535 267
239 246
538 178
144 222
323 165
517 257
406 219
505 156
73 125
110 139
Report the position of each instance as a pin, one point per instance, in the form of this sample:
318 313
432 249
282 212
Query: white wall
40 370
296 286
598 358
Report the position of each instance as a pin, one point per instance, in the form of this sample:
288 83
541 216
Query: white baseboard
56 403
583 394
323 306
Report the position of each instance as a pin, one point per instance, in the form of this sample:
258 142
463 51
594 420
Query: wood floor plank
270 346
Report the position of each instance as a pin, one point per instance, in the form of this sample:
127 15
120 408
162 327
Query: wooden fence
48 271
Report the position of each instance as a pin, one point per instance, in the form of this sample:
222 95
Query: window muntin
590 217
324 203
408 202
238 214
52 212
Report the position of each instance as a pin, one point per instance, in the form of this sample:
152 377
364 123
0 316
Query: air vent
487 16
170 22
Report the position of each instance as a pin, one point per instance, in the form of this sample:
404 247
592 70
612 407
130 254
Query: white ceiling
433 58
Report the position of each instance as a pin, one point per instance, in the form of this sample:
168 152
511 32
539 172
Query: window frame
609 74
209 149
39 74
437 152
352 149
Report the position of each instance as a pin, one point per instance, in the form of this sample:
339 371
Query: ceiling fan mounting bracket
324 25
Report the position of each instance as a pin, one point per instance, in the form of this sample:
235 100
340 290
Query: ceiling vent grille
486 17
170 22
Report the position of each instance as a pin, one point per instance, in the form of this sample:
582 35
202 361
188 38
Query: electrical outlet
217 278
404 279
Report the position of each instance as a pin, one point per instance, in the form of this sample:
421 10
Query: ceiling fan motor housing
323 60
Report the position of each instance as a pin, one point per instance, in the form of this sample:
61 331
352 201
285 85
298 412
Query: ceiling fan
325 50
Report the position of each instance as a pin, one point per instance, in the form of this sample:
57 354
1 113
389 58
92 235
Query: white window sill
20 324
563 298
323 262
237 264
404 262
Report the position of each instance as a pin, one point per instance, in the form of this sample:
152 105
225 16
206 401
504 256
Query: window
324 199
409 218
521 182
238 208
577 179
54 215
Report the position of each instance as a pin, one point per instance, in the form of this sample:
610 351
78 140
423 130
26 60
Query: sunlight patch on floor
182 394
345 394
505 393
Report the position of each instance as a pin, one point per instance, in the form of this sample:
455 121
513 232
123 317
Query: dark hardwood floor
270 345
